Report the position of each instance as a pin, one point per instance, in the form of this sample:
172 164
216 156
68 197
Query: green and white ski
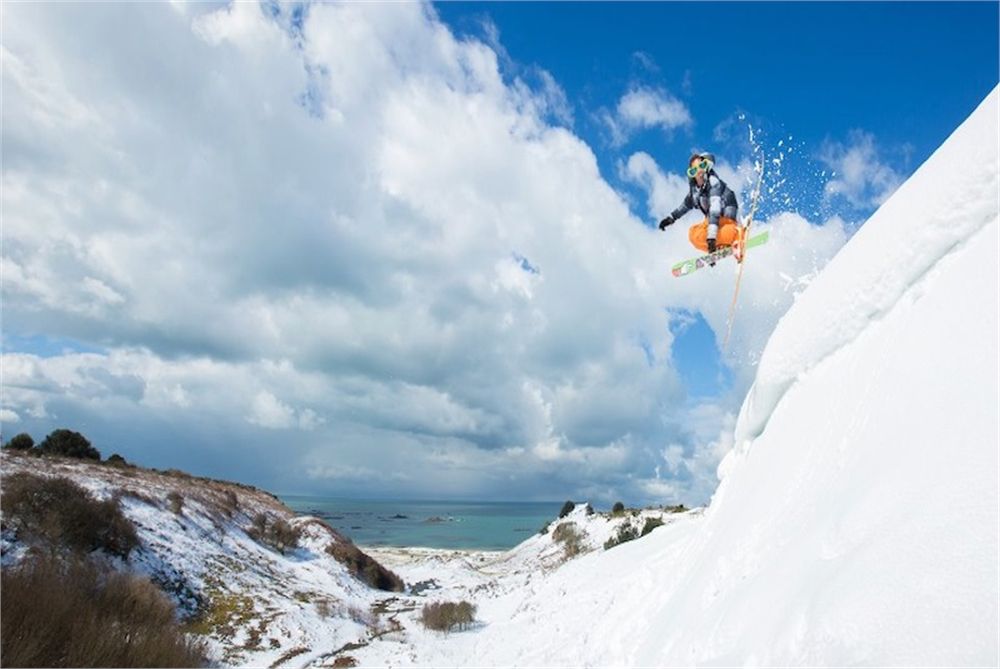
686 267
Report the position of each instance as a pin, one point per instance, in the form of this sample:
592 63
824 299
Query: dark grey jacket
714 199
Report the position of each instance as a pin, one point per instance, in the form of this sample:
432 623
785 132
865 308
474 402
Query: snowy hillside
857 519
258 606
255 605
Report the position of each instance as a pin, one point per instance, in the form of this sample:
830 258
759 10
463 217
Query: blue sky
409 248
907 73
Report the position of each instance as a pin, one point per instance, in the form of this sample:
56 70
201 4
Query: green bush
75 613
70 444
116 460
445 616
59 513
567 508
21 442
625 533
651 524
618 509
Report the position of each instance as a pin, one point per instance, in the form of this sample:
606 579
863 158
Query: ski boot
738 243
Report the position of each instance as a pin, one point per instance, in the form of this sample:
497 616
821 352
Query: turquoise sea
494 526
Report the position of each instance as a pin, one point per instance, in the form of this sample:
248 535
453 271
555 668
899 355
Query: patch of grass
139 496
294 652
221 612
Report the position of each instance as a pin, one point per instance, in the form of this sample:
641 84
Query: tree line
66 443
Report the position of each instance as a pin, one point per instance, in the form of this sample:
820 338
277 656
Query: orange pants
698 234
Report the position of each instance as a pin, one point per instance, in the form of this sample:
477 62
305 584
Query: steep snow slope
857 520
860 512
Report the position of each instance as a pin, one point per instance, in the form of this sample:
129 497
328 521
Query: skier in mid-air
717 201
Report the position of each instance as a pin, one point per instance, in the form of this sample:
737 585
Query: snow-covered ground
856 522
259 607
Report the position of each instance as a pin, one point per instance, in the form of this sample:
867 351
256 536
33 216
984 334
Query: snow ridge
937 211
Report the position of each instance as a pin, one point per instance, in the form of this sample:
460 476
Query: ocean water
494 526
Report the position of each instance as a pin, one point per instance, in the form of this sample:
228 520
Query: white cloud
860 173
270 412
642 108
664 191
646 62
645 108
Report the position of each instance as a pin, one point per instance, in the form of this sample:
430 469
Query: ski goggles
700 167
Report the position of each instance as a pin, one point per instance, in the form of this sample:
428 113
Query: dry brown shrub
59 513
75 613
445 616
570 537
365 567
277 533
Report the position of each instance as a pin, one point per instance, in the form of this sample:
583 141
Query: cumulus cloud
860 173
665 191
339 222
269 412
642 108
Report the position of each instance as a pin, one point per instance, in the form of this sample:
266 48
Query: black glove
669 220
711 246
